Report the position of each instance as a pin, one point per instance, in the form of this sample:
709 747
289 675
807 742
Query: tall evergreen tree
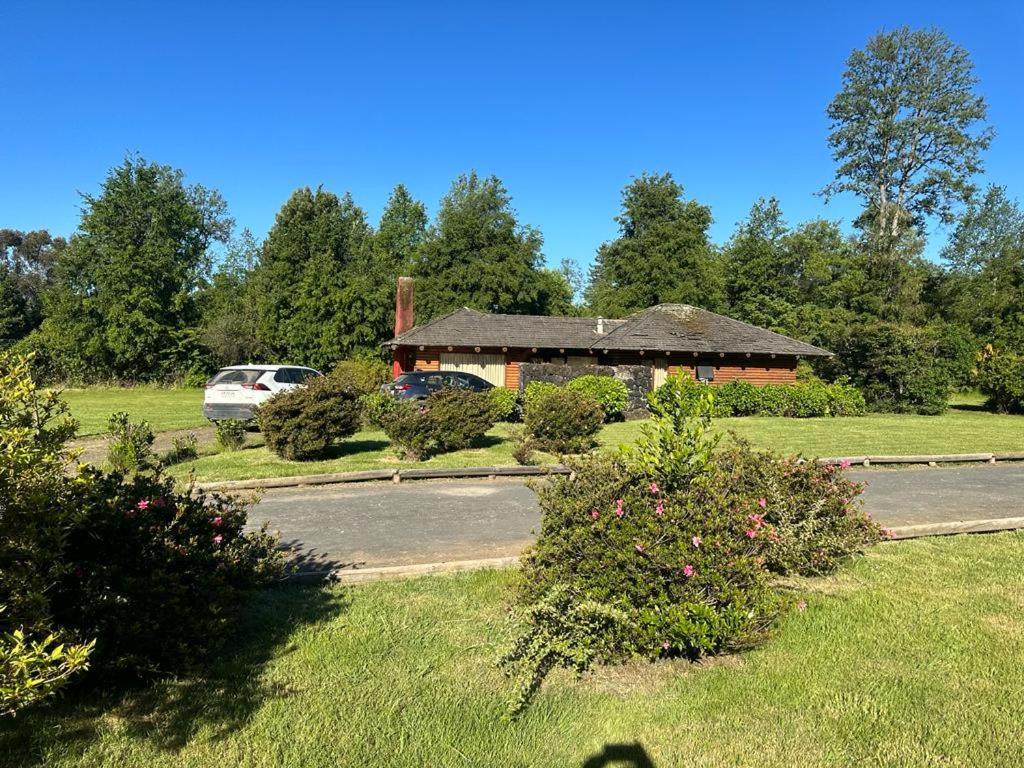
478 255
123 296
662 253
310 308
26 259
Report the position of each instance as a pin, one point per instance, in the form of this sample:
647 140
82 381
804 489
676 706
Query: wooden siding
427 360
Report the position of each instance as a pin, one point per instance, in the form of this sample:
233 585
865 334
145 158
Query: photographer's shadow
624 755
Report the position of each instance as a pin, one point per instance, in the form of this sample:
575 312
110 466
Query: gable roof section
664 328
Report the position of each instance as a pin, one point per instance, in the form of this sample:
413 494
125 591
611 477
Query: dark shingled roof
664 328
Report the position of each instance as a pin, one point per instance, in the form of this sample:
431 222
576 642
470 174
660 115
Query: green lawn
912 656
162 408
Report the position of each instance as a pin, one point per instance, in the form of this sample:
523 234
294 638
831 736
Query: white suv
235 392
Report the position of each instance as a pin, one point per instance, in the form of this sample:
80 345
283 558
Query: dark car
420 384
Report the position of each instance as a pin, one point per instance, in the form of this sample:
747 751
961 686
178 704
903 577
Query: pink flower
844 463
640 548
762 503
688 570
143 504
654 487
696 540
665 646
751 533
619 511
217 520
595 514
801 606
660 508
757 520
218 539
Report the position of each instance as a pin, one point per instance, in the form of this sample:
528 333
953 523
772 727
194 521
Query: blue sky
564 101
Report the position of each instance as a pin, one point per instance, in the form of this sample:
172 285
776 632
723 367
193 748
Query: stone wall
639 380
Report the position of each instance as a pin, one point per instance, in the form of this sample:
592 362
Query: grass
965 428
910 657
163 408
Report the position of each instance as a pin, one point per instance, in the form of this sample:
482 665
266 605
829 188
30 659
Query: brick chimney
403 322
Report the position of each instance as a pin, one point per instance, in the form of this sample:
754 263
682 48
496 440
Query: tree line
136 293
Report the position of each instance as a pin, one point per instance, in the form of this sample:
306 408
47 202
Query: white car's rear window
236 377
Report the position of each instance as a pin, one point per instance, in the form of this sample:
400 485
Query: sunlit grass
912 656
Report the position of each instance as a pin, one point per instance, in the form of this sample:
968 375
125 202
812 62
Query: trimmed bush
505 403
561 420
1000 375
611 394
303 423
535 390
361 376
670 548
448 420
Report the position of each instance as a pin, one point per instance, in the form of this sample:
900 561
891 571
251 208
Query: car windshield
236 376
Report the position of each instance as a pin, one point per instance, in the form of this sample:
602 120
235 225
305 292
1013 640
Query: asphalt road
433 521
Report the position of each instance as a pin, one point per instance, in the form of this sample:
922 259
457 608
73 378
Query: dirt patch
650 677
94 449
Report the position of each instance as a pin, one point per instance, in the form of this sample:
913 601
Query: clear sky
563 101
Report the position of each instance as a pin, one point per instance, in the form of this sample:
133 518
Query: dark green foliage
478 255
1000 375
131 444
611 394
662 253
26 259
123 299
562 420
505 403
230 434
898 368
448 420
155 576
304 423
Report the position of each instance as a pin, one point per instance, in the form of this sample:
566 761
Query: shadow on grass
976 407
350 447
168 714
624 755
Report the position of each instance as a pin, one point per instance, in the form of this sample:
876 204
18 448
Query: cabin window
705 373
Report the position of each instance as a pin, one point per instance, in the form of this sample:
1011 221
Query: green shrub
535 390
670 548
505 403
448 420
844 399
678 392
31 670
303 423
375 407
561 420
194 380
362 376
231 434
737 398
131 444
183 448
611 394
1000 375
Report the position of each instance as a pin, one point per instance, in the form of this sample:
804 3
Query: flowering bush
611 394
448 420
671 548
305 422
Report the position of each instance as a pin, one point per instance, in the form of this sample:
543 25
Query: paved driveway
423 522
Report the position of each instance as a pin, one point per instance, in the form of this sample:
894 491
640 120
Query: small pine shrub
303 423
505 403
448 420
611 394
231 434
561 420
131 444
